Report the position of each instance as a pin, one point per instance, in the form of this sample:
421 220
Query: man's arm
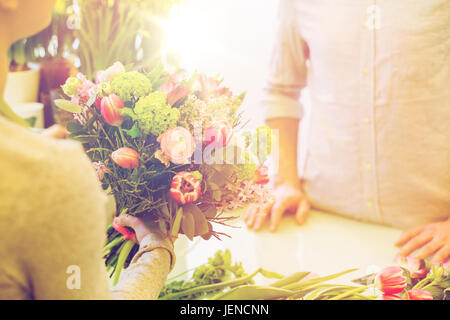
286 79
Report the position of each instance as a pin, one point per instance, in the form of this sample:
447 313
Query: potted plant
22 84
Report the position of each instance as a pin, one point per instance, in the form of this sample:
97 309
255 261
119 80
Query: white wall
232 38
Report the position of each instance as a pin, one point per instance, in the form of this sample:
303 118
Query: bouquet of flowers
168 148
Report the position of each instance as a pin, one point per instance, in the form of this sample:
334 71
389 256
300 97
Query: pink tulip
211 89
219 134
177 144
185 188
415 266
175 90
126 158
109 107
418 294
391 280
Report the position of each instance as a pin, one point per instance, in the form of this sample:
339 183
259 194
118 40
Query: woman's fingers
302 211
127 220
408 235
56 131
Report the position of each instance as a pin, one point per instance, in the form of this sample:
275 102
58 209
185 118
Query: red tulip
418 294
390 297
219 133
391 280
110 106
185 188
261 175
126 158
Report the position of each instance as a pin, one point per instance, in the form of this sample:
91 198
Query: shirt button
368 166
370 203
366 120
365 70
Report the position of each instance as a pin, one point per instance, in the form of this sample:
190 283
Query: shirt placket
370 25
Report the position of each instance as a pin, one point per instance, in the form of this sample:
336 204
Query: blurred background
231 39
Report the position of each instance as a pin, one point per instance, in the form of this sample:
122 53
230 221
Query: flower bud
418 294
219 134
110 106
126 158
185 188
391 280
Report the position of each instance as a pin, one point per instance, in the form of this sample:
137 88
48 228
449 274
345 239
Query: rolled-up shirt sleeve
287 70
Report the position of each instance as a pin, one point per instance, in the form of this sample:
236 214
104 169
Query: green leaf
74 127
271 274
68 106
134 132
253 292
188 225
177 223
201 224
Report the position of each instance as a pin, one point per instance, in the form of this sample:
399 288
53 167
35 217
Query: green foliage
154 114
130 86
219 268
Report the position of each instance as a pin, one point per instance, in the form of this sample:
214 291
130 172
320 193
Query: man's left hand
432 240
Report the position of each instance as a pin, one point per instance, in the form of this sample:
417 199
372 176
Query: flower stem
126 248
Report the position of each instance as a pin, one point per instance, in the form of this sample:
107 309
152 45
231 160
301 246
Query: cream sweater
52 217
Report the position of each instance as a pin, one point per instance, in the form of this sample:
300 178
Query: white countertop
325 244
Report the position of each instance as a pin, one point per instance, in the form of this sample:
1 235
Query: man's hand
432 240
287 198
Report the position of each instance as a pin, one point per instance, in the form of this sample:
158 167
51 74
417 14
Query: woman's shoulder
40 170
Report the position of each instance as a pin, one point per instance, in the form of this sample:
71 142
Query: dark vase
54 73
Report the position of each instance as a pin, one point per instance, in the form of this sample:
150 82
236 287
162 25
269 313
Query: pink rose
110 73
177 144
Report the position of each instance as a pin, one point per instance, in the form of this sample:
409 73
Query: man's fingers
414 244
251 216
442 255
249 211
277 213
302 211
408 235
429 249
261 217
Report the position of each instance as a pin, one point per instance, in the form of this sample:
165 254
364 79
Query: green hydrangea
71 86
130 86
155 115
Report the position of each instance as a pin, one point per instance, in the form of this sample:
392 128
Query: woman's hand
287 197
139 228
432 240
56 131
